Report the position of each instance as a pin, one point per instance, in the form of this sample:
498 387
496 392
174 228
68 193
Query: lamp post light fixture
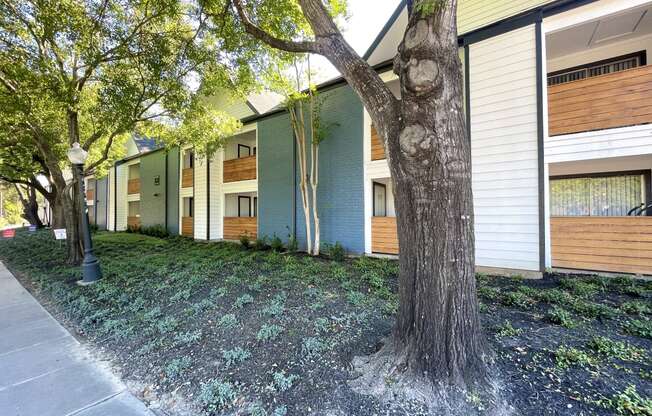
91 271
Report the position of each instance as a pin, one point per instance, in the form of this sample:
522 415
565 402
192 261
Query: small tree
304 108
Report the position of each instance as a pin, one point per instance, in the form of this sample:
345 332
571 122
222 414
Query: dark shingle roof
146 144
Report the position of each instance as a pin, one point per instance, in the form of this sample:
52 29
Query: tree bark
30 205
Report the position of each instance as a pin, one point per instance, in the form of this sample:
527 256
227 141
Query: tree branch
274 42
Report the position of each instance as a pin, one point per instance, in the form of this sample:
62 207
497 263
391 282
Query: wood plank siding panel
234 227
133 222
187 227
377 149
504 150
241 169
606 101
90 195
187 176
384 235
133 186
612 244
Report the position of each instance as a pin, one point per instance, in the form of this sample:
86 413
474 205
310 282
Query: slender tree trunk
298 125
314 183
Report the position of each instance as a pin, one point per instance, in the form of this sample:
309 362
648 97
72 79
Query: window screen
605 196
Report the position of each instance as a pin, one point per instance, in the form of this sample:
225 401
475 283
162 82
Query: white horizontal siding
599 144
121 198
504 150
200 198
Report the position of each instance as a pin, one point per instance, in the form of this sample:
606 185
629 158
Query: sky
362 27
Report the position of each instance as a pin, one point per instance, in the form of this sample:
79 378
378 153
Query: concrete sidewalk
44 371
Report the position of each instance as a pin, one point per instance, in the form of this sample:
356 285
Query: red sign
9 233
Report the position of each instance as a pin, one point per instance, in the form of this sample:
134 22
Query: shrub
243 300
276 243
261 243
237 355
311 347
517 299
616 349
639 327
268 332
216 395
293 243
244 240
176 367
157 230
629 402
566 357
283 382
579 287
561 317
276 307
636 308
335 251
227 321
507 330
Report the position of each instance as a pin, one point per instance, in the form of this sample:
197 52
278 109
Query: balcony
241 169
234 227
133 186
187 178
377 149
618 99
90 194
384 235
187 227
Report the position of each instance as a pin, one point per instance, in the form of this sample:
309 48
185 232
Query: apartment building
557 99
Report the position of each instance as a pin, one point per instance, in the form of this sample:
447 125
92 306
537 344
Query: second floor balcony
240 169
618 99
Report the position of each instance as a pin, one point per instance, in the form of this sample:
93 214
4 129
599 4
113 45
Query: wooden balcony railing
133 223
377 149
618 99
133 186
187 178
90 194
187 227
234 227
241 169
384 236
612 244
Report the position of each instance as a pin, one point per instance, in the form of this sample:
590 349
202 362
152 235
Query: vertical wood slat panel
133 186
384 235
90 195
612 244
377 150
241 169
187 178
613 100
187 227
234 227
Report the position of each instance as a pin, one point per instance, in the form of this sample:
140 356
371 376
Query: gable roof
146 144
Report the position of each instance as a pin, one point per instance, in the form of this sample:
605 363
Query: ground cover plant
221 329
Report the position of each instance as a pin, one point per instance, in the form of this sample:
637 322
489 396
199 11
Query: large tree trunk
437 339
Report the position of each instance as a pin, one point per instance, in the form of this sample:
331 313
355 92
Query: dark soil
233 331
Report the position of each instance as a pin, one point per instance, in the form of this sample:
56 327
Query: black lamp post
91 271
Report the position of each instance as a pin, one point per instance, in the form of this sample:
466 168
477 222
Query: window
188 159
598 195
243 151
134 209
134 171
188 207
255 203
595 69
380 200
244 206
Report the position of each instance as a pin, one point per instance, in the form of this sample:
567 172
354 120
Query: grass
260 332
